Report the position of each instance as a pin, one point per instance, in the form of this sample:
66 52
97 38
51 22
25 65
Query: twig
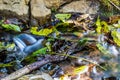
67 55
32 67
62 39
114 5
35 65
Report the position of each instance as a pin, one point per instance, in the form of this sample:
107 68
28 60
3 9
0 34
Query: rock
55 3
52 3
39 11
81 6
27 1
14 8
40 76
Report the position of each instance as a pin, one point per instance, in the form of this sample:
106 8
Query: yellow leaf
99 27
105 27
42 32
81 69
116 37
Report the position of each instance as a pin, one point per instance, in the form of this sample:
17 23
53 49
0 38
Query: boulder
81 6
55 3
39 11
14 8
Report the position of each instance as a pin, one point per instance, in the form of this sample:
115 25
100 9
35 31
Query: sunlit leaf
48 46
42 32
83 41
31 58
40 51
63 16
74 71
99 27
116 36
64 77
64 27
78 34
105 27
8 47
118 21
81 69
102 26
11 27
117 25
102 49
6 65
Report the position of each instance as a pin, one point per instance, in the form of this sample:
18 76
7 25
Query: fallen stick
114 5
33 66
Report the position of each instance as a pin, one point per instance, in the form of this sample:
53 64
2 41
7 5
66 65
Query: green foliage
31 58
108 4
102 49
11 27
83 41
48 46
53 9
40 51
107 9
117 25
2 47
42 32
115 33
8 46
99 27
64 27
105 27
6 65
102 26
116 37
63 17
81 69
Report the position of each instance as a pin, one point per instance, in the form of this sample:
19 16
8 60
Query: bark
35 65
32 67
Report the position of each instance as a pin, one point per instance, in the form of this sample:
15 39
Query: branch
114 5
33 66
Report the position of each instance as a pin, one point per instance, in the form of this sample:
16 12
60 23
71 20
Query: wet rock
55 3
39 11
14 8
81 6
40 76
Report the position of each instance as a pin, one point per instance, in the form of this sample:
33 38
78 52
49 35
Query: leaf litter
95 57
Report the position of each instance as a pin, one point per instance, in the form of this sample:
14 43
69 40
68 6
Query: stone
13 8
39 11
81 6
52 3
55 3
40 76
